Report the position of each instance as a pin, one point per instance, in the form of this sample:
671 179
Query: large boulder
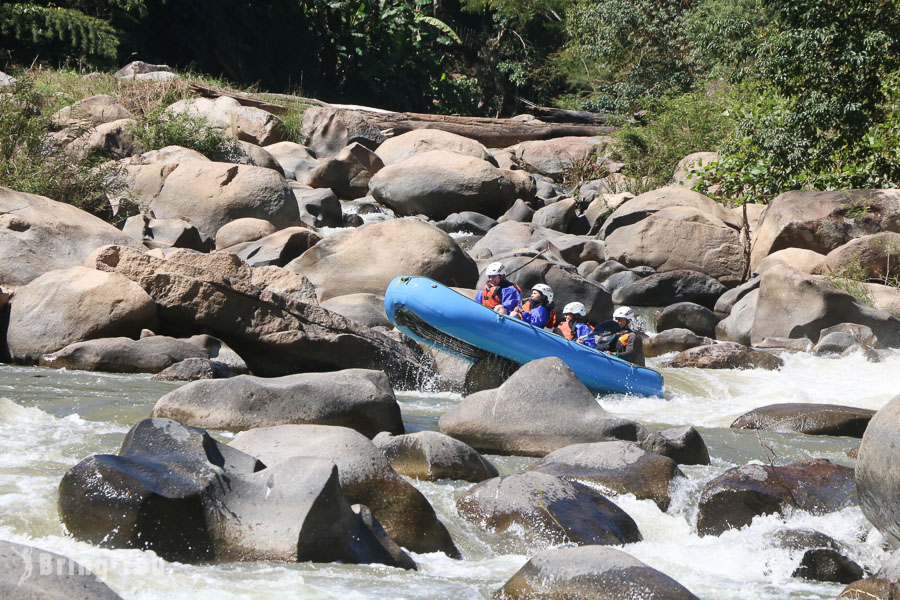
318 207
649 203
107 140
243 230
176 491
823 221
356 398
554 157
875 256
673 340
725 355
513 419
365 475
662 289
556 216
24 574
388 249
439 183
794 304
398 148
512 236
38 234
211 194
596 572
622 467
430 456
348 173
811 419
166 233
72 305
801 259
735 497
694 160
687 315
247 123
296 160
729 299
266 314
678 238
326 130
738 325
877 476
364 308
549 510
124 355
277 249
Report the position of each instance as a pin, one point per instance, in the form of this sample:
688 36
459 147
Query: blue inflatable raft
442 318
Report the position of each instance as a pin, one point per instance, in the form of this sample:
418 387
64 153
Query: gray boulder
398 148
38 234
439 183
548 509
876 256
729 299
737 327
107 140
348 173
388 249
247 123
318 207
690 316
326 130
662 289
557 216
124 355
511 237
621 467
519 211
73 305
673 340
296 161
176 491
277 249
248 153
877 477
364 308
166 233
91 111
513 419
366 478
811 419
731 500
430 456
193 369
467 221
23 574
239 231
555 156
356 398
596 572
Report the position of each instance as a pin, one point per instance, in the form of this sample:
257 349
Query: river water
51 419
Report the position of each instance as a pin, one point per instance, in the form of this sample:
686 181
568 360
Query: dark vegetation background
793 94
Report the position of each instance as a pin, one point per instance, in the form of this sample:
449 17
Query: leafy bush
162 128
33 161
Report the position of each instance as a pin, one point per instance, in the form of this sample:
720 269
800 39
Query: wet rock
429 456
590 572
674 340
396 247
734 498
883 585
513 419
548 509
176 491
662 289
356 398
812 419
622 467
23 575
877 476
687 315
366 478
124 355
725 355
71 305
827 565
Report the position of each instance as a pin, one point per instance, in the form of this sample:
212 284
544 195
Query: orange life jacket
566 331
492 295
551 320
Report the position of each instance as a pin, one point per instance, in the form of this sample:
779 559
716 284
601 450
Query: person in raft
574 327
499 293
627 344
538 310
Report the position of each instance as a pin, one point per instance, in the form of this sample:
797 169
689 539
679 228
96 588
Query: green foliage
852 279
62 31
32 161
677 126
162 128
633 50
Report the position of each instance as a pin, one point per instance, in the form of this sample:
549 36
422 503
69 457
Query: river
51 419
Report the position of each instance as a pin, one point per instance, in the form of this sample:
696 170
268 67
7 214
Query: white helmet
574 308
623 312
496 268
545 289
